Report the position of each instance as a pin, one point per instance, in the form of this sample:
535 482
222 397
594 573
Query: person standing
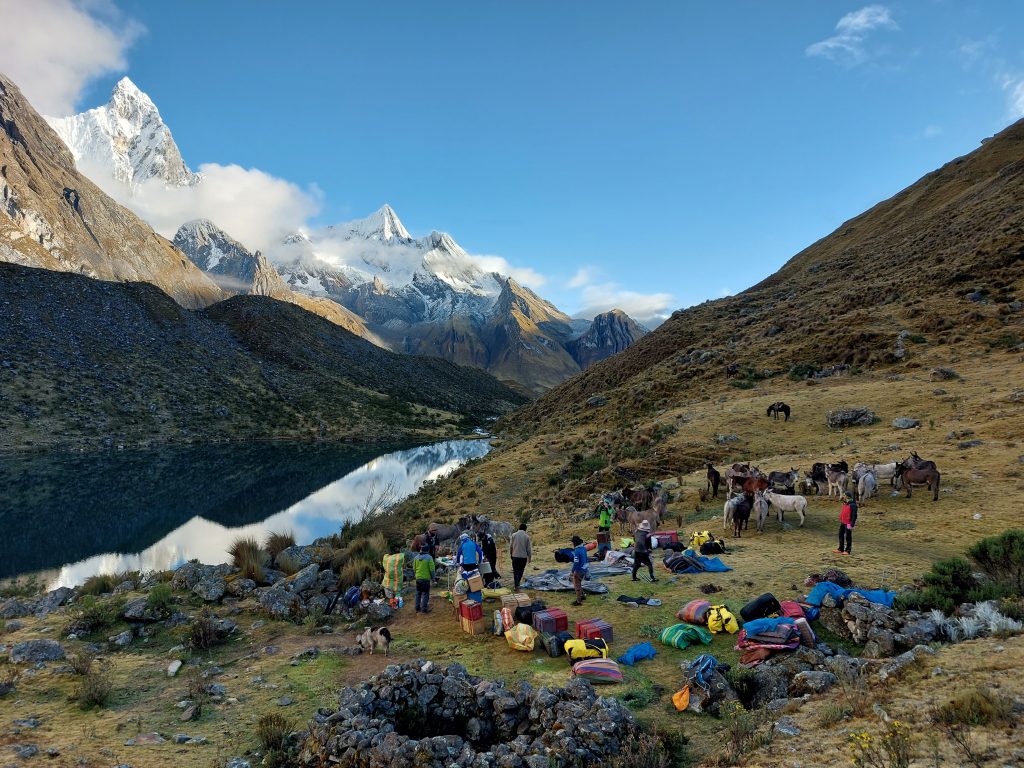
604 523
469 553
522 553
490 550
431 542
847 520
579 568
642 549
423 568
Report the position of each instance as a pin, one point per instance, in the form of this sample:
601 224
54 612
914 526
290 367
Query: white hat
645 525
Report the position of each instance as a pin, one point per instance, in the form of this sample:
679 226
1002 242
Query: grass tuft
248 557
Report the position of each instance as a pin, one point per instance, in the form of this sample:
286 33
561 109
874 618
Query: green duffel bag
684 635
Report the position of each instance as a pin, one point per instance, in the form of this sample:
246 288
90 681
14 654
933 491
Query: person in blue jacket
470 553
579 568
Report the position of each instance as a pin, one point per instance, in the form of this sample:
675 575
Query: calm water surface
66 517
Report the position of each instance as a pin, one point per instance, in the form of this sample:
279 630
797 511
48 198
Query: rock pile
884 632
850 417
423 715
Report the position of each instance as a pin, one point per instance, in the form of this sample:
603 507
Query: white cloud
583 276
848 45
522 275
647 308
255 208
1013 87
931 131
52 48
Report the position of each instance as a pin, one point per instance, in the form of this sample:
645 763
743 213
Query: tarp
693 563
635 653
823 588
561 581
393 572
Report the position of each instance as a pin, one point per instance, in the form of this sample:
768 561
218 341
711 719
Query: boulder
145 739
13 609
35 651
840 418
139 610
811 682
52 601
173 667
297 556
905 423
121 640
944 374
895 667
211 588
376 613
302 580
596 401
241 587
278 602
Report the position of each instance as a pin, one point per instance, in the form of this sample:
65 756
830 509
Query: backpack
577 649
351 598
720 619
563 555
699 537
694 612
713 547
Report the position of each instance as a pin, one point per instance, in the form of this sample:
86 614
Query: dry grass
276 543
248 557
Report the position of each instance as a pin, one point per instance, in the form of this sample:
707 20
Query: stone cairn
424 715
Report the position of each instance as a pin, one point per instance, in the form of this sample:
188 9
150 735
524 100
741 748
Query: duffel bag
577 649
761 607
522 637
597 671
694 612
720 619
684 635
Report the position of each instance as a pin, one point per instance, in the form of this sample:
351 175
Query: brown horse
752 484
714 479
640 498
919 477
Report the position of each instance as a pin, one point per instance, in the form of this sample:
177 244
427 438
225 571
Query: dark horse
780 407
714 479
919 477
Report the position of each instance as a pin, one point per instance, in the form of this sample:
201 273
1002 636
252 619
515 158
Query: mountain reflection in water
76 515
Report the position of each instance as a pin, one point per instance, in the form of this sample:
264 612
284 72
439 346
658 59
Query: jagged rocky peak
125 138
610 333
383 224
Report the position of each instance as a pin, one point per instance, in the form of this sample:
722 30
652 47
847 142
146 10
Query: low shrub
204 633
272 730
744 682
276 543
248 557
834 712
96 686
81 662
160 599
949 583
92 615
100 584
1002 558
646 751
981 706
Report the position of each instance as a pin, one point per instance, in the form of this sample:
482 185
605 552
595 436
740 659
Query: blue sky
656 153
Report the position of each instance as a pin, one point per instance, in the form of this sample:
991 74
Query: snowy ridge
126 138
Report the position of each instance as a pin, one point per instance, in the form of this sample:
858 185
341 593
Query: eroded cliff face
53 217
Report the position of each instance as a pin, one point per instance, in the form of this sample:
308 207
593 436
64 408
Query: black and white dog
375 639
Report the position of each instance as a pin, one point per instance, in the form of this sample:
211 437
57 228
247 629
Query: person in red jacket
847 519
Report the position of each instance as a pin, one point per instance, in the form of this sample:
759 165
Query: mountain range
422 295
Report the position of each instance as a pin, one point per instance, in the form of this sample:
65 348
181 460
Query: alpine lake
67 516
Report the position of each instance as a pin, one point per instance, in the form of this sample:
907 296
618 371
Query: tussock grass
276 543
248 557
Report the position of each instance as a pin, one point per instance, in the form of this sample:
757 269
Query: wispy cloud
527 276
1013 87
583 276
932 131
970 52
647 308
53 48
849 44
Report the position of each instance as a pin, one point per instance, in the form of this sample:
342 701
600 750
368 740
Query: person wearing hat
579 568
431 542
642 549
423 568
469 553
847 519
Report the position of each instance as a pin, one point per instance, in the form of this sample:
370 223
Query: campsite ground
897 539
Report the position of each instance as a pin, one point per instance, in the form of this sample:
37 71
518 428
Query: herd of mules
749 490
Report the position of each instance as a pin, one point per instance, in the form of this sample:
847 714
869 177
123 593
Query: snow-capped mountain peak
125 138
382 225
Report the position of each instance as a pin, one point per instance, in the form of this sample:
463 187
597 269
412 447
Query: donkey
785 504
920 477
729 509
785 479
916 462
714 479
867 487
836 479
880 471
780 407
761 508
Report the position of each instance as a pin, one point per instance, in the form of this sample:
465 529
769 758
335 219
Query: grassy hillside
91 363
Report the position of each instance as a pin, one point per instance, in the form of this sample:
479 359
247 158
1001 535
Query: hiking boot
838 552
576 603
846 553
428 610
653 579
635 579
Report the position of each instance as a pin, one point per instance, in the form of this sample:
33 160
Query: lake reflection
71 516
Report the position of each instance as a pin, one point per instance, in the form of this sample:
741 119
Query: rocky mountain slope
610 333
429 296
92 363
422 295
238 271
52 216
940 263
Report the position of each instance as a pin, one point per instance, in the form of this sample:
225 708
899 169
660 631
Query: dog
375 639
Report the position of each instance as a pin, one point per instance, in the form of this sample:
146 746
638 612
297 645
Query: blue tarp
756 626
713 564
636 653
822 588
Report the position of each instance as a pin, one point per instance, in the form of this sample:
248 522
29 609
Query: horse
867 486
733 472
780 407
785 504
740 518
731 370
446 532
714 479
761 508
637 516
640 498
729 509
916 462
785 479
753 484
920 477
659 506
